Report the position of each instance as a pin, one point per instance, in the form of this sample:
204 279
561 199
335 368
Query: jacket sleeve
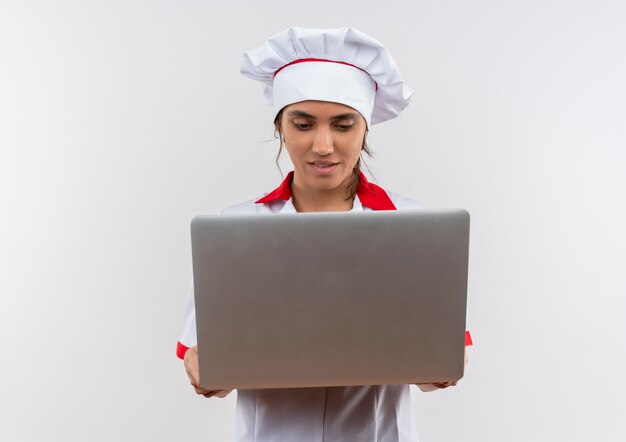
188 327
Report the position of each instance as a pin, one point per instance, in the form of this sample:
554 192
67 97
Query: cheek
354 152
292 138
295 148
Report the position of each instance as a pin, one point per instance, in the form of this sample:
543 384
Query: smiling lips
323 167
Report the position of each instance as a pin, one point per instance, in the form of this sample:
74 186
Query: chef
327 87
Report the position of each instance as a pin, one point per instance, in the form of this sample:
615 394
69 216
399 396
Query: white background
121 120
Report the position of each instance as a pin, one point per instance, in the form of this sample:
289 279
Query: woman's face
324 141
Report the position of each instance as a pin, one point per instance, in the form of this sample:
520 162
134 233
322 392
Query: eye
302 126
344 127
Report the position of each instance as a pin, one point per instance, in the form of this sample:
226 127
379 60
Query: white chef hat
342 65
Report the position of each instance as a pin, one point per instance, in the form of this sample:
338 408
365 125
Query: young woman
327 86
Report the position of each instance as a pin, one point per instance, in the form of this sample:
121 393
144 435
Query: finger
223 393
427 387
202 391
210 393
448 384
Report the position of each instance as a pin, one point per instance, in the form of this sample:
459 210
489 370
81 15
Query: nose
323 142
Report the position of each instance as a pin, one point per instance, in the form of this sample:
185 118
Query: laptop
330 299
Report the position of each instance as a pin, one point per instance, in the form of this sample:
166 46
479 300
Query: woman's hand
191 366
439 385
435 386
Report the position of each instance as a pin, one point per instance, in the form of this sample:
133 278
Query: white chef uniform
379 413
349 67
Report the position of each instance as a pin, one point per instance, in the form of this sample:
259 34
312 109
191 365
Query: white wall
119 121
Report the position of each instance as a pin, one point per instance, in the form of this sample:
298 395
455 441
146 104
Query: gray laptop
330 299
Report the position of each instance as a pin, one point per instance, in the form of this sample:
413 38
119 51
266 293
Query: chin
326 183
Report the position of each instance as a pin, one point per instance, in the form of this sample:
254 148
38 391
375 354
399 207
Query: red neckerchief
369 194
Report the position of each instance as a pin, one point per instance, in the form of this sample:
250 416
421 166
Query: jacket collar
369 194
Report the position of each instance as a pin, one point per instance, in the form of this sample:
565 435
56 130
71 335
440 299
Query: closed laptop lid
330 299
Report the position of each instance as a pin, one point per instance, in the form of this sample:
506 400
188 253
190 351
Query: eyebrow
346 116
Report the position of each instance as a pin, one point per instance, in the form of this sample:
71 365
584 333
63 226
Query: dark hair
352 188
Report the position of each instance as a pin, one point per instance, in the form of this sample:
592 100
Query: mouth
323 167
322 164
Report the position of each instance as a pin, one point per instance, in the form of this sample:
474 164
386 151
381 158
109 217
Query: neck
306 199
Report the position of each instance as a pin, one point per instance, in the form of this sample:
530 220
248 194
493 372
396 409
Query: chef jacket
380 413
